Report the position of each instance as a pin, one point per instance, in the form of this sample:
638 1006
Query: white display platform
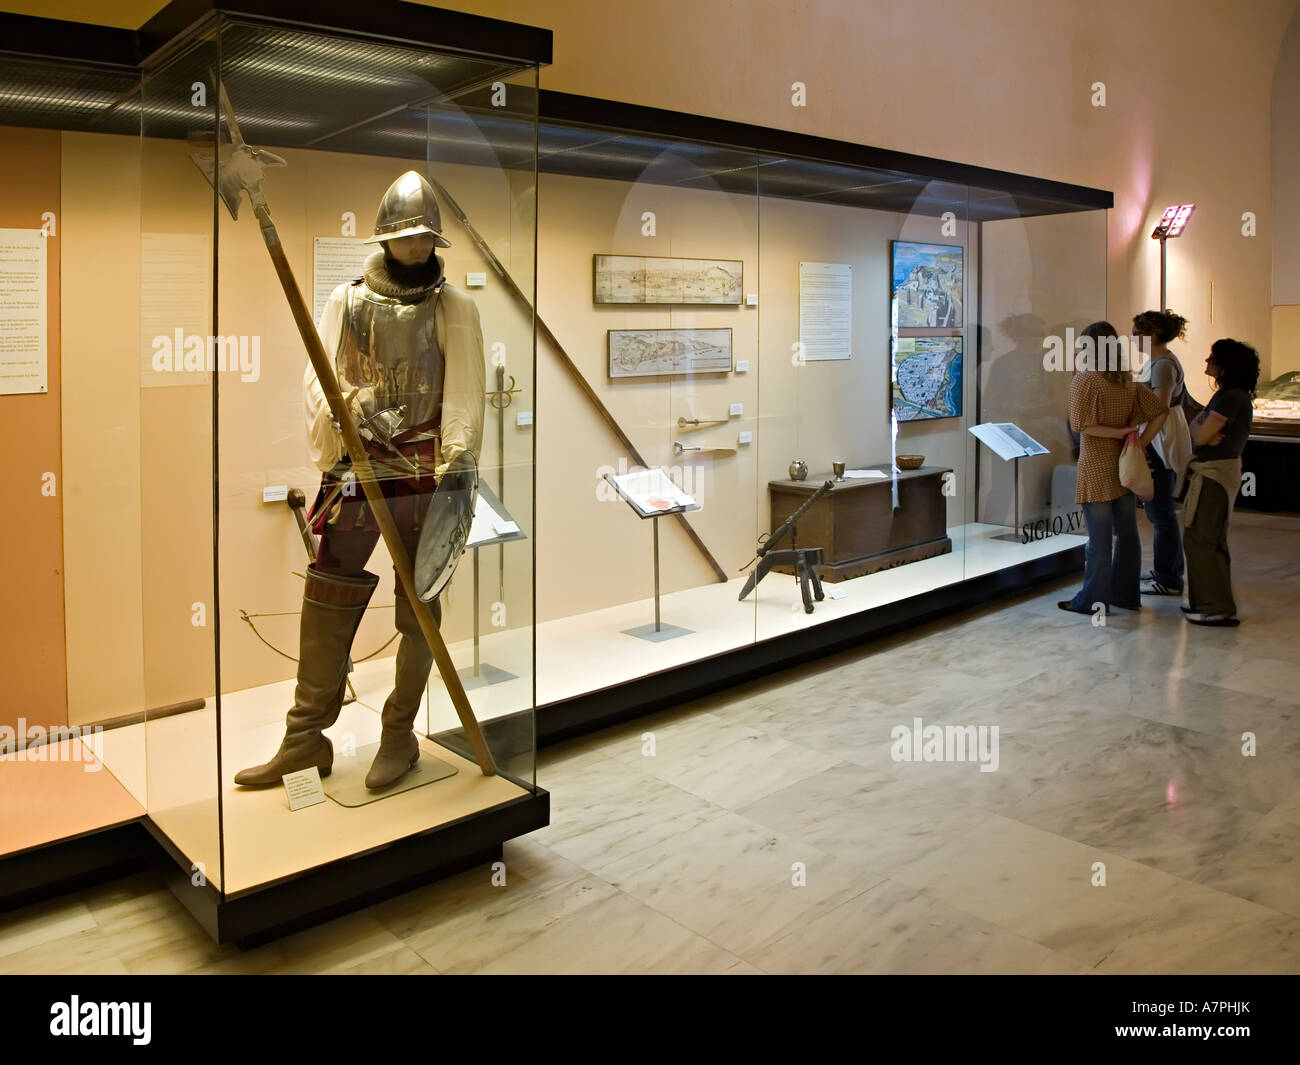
588 652
575 655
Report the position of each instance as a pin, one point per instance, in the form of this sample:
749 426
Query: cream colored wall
101 419
596 552
593 550
1041 277
824 411
1004 85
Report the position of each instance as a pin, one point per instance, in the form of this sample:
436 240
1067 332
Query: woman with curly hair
1219 436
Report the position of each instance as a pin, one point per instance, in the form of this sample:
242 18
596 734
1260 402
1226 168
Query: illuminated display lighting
1173 221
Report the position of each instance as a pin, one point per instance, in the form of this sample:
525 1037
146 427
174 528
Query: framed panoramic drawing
927 285
654 352
650 279
927 378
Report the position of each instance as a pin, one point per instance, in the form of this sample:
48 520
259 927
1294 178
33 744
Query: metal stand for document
1011 444
658 631
1014 536
481 673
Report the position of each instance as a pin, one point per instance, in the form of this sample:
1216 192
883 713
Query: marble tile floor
1144 817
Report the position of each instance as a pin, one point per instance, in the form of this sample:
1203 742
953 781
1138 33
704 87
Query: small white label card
836 593
303 788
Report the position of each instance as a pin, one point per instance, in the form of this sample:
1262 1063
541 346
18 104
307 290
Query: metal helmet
446 526
409 207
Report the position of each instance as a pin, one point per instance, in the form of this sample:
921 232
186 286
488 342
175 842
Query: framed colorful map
927 378
928 285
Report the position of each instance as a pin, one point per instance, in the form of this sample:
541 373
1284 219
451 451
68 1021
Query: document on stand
1007 440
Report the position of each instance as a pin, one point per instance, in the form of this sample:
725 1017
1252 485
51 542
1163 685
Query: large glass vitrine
223 200
744 310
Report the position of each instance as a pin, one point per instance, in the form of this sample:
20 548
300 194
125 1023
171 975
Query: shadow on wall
1017 388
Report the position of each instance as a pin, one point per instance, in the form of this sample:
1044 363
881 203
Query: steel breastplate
391 345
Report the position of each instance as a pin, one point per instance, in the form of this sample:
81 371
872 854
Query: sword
500 400
233 167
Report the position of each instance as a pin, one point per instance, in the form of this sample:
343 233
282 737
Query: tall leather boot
332 608
399 749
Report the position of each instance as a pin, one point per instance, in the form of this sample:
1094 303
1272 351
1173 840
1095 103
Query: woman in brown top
1106 404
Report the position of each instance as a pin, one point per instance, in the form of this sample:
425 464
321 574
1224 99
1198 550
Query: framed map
652 352
649 279
927 285
927 378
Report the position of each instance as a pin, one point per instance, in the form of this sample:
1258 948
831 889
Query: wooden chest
857 526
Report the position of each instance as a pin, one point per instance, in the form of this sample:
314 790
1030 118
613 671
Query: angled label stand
1011 444
652 494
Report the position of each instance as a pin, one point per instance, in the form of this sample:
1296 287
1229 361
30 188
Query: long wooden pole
365 474
570 366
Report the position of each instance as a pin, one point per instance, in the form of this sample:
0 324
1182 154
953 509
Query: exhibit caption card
23 312
303 788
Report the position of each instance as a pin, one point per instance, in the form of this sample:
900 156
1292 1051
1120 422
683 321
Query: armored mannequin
408 353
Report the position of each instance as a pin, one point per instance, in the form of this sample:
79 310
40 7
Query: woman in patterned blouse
1106 404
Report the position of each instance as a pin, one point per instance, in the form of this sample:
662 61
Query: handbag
1134 473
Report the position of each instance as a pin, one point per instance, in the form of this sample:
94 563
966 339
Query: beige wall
1006 86
101 439
1041 277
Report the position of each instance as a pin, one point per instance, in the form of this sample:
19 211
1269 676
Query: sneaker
1151 586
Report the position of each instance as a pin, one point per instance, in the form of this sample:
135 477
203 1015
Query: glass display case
785 328
309 546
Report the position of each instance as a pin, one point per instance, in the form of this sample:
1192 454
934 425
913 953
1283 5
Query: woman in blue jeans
1106 404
